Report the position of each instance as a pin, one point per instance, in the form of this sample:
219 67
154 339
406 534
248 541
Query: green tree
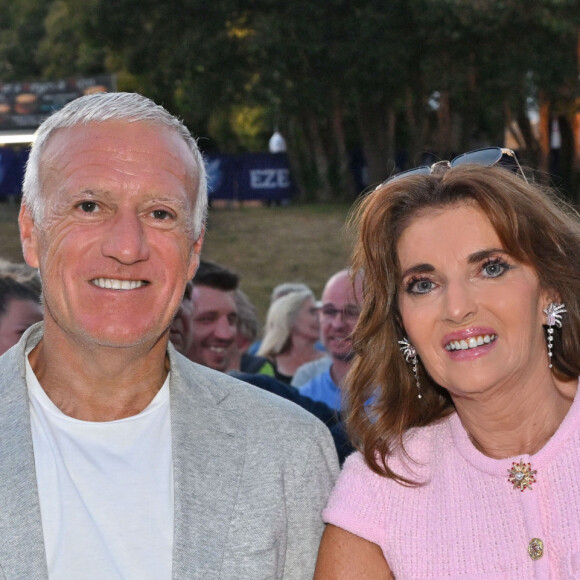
21 31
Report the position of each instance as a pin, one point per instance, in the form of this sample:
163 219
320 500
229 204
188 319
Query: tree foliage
392 79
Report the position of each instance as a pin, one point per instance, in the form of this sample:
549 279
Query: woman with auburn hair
291 332
462 398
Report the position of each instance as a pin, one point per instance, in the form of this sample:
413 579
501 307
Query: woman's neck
301 352
520 422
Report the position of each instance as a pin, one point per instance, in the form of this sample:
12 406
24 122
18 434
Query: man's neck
99 384
338 371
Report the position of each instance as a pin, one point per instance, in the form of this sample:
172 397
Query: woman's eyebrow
418 269
483 254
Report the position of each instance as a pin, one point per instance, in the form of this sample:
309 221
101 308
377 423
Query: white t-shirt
106 490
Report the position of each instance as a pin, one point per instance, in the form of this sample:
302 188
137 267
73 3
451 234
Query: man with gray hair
120 458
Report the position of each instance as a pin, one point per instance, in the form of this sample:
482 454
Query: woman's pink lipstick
470 343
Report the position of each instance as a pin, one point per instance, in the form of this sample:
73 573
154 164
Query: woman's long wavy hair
534 226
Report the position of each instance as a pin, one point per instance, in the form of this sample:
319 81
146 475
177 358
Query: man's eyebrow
164 199
90 193
418 269
484 254
150 198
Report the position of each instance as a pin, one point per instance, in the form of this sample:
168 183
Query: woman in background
468 348
291 332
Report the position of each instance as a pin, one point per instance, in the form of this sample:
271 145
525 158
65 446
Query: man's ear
195 255
28 236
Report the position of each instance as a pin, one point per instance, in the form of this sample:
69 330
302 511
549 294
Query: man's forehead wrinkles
58 149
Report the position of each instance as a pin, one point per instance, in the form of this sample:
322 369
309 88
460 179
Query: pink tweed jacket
475 517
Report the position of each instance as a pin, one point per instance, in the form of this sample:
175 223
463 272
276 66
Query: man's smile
115 284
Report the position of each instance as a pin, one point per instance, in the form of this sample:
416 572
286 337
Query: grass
264 245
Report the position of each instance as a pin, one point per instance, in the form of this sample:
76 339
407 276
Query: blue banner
221 176
264 176
12 162
250 176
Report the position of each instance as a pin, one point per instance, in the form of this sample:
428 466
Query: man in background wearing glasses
338 316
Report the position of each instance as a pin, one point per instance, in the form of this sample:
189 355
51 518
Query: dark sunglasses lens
422 170
486 157
510 162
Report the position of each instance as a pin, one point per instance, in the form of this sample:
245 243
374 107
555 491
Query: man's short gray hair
98 108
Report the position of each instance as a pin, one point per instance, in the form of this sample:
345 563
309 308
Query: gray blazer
252 473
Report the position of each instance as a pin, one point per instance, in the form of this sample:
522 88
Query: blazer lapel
22 552
208 457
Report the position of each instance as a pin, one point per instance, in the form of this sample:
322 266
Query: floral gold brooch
521 475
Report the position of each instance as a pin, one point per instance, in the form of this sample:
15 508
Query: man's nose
224 329
125 239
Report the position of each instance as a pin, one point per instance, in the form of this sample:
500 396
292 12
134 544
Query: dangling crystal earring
410 355
553 314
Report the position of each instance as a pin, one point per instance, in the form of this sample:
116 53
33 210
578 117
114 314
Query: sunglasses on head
485 157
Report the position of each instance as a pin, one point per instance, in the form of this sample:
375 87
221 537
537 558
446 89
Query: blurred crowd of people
304 338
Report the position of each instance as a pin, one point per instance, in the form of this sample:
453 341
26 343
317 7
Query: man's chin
117 340
342 355
216 362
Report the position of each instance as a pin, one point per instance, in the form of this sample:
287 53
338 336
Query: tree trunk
320 156
391 129
347 187
297 157
544 159
531 143
444 129
373 131
565 166
417 129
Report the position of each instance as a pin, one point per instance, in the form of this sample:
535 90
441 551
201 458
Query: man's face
214 327
338 315
19 315
114 248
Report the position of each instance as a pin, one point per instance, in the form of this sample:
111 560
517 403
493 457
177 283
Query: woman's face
19 315
460 288
307 323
